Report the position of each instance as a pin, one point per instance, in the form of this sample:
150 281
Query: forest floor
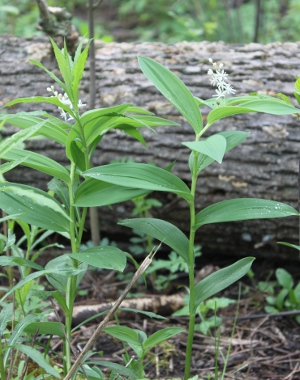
263 346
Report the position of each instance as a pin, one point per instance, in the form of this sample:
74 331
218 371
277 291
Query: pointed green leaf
243 209
289 245
10 142
45 328
161 336
140 176
39 162
272 106
52 75
5 316
163 231
221 279
53 128
102 257
41 99
79 64
63 60
233 138
213 147
174 90
35 206
92 193
119 369
60 269
133 337
38 358
269 105
4 168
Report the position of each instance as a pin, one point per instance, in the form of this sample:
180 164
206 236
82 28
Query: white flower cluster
65 100
219 80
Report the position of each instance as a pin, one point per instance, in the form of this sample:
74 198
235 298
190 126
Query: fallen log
264 166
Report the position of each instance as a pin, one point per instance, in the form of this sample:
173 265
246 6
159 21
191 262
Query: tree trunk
264 166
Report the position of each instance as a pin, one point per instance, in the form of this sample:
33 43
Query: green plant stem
191 270
2 368
71 284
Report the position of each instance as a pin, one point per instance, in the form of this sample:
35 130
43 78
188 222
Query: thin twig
114 308
65 335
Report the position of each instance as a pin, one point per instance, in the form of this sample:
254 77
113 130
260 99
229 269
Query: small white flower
219 79
63 98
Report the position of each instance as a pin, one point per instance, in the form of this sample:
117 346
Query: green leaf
45 328
102 257
41 99
174 90
221 279
52 75
63 268
272 106
10 142
36 207
140 176
243 209
5 316
161 336
213 147
93 193
53 128
163 231
4 168
38 358
18 261
134 338
233 138
284 278
63 61
289 245
39 162
79 64
121 370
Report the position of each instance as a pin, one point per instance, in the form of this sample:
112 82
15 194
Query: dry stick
65 335
116 305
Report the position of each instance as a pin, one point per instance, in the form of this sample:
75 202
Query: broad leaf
163 231
243 209
140 176
270 105
35 206
161 336
233 138
10 142
45 328
221 279
120 370
63 268
38 358
39 162
102 257
174 90
213 147
134 338
42 99
53 128
92 193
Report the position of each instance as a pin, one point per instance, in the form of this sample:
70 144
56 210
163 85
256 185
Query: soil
261 346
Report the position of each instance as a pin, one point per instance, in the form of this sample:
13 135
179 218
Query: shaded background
169 21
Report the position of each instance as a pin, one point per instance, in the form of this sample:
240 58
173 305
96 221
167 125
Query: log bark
264 166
